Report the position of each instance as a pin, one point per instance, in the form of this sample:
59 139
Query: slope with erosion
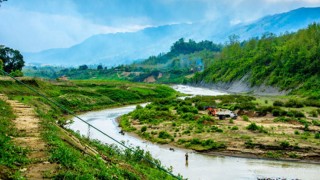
287 62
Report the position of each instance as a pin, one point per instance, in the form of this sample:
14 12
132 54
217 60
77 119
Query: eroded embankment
242 86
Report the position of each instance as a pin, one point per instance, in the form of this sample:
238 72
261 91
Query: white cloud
34 31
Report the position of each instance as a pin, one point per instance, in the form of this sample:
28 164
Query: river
200 166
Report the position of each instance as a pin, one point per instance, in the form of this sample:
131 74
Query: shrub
294 113
164 135
278 103
313 113
186 109
216 129
139 106
253 127
294 103
316 122
245 118
143 129
284 144
234 128
317 135
249 143
279 112
276 112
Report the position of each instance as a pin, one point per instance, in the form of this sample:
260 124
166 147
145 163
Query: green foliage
16 73
164 135
289 61
198 144
293 103
187 109
143 129
215 129
234 128
254 127
12 157
249 143
12 60
278 103
294 113
284 144
245 118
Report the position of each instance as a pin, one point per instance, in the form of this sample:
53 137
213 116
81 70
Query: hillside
124 48
290 62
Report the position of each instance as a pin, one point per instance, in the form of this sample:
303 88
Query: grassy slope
11 157
84 96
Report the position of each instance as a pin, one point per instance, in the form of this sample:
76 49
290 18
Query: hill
289 62
124 48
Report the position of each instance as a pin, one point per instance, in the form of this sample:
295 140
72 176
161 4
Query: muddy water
199 166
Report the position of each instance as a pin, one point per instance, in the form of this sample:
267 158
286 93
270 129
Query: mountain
124 48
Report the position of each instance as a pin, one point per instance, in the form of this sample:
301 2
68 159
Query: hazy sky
34 25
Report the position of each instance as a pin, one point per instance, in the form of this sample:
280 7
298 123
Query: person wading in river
187 156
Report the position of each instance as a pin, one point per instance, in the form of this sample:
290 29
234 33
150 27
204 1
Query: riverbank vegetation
78 96
275 127
289 61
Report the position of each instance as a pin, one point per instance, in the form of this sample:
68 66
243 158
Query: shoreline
238 154
223 153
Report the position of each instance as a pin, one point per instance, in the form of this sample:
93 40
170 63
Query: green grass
12 157
80 96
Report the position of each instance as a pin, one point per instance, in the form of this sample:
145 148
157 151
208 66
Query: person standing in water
187 156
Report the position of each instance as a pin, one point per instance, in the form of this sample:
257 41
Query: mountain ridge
124 48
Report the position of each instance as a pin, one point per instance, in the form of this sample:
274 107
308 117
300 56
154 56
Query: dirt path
28 124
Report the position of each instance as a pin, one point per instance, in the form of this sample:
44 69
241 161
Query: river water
199 166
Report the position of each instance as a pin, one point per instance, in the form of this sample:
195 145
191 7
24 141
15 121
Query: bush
16 73
278 103
245 118
294 113
254 127
317 135
313 113
144 129
284 144
186 109
276 112
234 128
293 103
316 122
164 135
216 129
249 144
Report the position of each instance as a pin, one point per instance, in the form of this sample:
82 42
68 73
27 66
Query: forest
288 61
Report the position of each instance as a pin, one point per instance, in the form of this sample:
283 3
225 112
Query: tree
2 1
99 67
1 67
12 59
83 67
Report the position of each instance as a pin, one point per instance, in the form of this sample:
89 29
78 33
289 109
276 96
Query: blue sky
35 25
